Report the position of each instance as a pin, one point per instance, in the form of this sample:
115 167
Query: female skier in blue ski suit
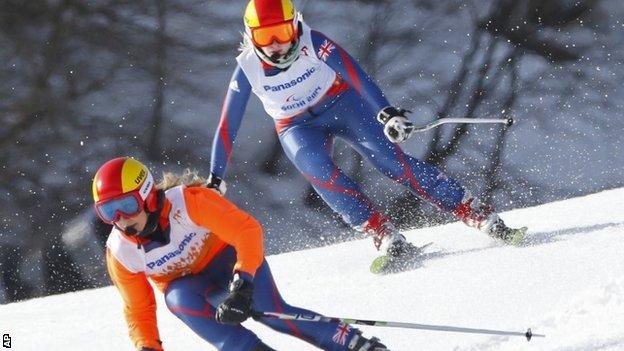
315 91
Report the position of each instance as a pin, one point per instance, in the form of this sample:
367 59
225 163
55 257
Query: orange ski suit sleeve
139 303
234 226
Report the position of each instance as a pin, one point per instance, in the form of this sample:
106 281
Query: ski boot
483 217
496 228
396 253
387 239
360 343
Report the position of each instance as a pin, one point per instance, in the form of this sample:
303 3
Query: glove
397 127
236 308
217 184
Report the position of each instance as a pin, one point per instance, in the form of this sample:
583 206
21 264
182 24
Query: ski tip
386 264
379 264
518 237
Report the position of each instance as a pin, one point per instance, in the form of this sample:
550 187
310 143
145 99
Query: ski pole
506 121
318 318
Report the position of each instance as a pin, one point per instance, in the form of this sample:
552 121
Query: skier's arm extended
231 115
397 127
231 224
139 304
341 62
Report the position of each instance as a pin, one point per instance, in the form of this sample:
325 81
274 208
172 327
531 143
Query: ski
385 264
515 237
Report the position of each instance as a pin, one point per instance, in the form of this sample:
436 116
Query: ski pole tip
529 334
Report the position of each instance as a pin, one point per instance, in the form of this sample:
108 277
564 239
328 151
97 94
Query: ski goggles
126 205
283 32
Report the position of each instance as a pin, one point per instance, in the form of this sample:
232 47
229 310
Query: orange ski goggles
283 32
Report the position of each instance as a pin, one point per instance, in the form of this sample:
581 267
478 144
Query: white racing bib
290 92
176 258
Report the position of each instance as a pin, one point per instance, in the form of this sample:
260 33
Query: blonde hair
245 43
188 178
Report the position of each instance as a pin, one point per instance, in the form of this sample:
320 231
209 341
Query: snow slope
568 283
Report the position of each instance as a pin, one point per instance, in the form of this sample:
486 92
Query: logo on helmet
145 189
140 177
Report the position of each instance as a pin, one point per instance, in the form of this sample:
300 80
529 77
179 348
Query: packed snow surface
567 282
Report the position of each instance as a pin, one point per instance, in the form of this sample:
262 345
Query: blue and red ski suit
347 110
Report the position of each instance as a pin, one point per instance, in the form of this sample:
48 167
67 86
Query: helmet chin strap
152 220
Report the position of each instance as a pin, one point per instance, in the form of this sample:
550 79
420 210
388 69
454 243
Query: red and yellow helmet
267 21
121 187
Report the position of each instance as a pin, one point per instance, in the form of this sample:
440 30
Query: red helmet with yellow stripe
122 187
269 21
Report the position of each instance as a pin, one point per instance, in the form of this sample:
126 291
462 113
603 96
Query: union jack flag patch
325 50
340 337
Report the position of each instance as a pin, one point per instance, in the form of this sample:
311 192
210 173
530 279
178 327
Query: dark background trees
85 81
